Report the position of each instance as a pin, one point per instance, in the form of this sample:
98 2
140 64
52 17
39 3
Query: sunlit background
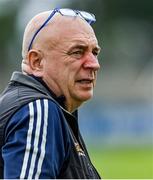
117 124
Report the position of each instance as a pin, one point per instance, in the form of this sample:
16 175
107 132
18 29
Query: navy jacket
38 137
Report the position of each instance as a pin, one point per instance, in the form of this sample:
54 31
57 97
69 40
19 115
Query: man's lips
85 81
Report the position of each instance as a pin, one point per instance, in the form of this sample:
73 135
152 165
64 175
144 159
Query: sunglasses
90 18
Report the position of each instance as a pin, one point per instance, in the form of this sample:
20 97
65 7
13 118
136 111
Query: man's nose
91 62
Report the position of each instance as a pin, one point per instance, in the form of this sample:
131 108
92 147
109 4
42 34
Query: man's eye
77 53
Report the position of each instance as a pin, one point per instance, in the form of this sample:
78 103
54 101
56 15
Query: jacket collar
41 86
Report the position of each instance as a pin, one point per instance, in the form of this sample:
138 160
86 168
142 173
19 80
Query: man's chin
86 97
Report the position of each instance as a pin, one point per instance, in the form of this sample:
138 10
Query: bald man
39 133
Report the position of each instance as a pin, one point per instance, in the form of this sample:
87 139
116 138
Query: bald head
58 25
59 28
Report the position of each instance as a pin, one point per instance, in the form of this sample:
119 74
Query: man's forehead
67 25
84 42
75 29
71 31
77 38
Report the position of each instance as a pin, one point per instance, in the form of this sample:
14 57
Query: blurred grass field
125 163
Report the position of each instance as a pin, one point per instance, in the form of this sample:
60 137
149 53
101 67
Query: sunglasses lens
70 12
67 12
88 16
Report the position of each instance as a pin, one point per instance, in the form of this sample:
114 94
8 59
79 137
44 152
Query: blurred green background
117 123
123 162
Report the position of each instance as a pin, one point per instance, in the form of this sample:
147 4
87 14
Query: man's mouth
85 81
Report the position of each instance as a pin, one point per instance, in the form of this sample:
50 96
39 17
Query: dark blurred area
121 112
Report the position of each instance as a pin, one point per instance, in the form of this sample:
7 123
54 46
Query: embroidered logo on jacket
79 150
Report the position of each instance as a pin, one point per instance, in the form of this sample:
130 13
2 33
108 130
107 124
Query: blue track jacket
39 139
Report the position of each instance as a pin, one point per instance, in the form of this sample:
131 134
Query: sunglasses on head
90 18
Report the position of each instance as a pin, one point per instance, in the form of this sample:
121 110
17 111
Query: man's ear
35 59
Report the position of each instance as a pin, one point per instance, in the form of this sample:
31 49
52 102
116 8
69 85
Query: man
39 134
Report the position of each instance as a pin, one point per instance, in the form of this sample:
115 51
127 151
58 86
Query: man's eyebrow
84 46
78 46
